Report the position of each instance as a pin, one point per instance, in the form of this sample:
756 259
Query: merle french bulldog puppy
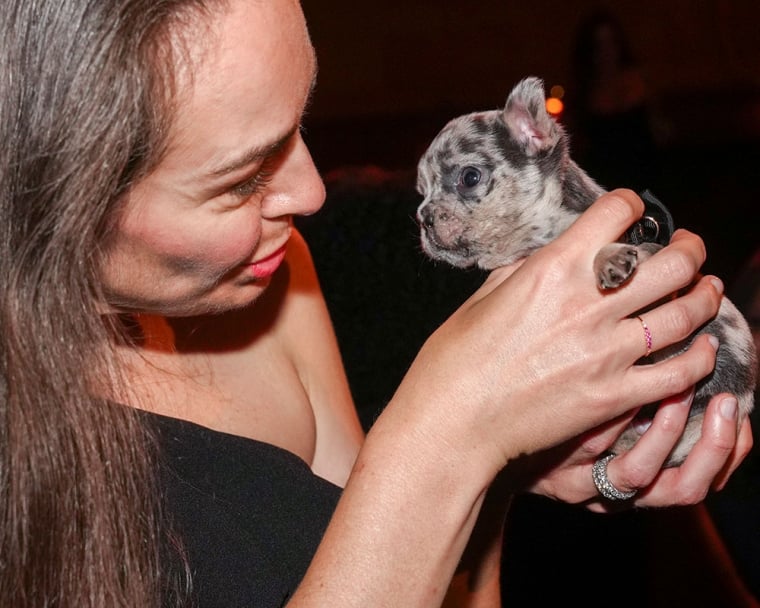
498 185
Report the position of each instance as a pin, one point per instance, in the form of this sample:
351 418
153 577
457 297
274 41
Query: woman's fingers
672 268
741 449
604 221
713 458
654 382
637 468
669 270
690 483
677 318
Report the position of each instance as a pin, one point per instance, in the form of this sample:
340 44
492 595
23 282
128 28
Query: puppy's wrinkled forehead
481 138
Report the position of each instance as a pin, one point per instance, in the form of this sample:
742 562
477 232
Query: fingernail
683 398
641 426
714 341
686 397
717 283
728 408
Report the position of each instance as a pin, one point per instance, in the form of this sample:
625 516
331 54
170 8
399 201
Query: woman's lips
266 267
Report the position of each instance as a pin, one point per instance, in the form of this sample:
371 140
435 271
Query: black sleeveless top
250 515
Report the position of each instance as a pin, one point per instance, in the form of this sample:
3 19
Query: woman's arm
477 581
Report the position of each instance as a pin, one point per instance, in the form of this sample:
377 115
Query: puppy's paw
614 264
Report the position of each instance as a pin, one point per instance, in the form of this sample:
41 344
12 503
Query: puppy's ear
527 119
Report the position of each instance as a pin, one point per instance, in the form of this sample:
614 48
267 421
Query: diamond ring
604 485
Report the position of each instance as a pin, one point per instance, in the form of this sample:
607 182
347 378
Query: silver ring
604 485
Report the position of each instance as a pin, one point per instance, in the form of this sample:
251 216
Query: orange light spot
554 106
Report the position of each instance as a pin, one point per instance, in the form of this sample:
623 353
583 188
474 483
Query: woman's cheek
236 240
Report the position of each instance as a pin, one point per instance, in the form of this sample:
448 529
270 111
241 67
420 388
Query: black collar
655 226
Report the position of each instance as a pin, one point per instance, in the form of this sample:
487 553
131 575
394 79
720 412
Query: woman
176 424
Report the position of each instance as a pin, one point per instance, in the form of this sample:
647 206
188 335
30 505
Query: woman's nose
297 188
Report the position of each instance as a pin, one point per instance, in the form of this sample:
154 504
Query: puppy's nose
426 216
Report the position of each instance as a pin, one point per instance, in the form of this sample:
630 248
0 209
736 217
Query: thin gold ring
647 336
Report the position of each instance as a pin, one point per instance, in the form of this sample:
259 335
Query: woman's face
208 227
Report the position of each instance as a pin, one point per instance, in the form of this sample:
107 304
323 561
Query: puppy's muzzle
441 226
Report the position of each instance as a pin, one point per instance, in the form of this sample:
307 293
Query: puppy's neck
578 189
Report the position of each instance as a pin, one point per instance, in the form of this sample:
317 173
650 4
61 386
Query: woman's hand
564 473
539 355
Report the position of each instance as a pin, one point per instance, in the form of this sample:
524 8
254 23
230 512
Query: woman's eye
470 177
253 185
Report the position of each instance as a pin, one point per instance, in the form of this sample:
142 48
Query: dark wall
414 55
422 60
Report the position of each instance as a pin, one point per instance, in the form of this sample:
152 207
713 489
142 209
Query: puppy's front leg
615 263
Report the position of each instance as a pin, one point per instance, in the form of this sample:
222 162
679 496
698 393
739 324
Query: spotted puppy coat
498 185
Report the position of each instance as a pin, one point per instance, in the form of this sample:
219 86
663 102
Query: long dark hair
86 90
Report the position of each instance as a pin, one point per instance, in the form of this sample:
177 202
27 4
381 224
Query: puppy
498 185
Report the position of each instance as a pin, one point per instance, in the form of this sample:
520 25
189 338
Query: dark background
391 75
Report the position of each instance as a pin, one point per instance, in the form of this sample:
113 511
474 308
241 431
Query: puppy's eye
469 177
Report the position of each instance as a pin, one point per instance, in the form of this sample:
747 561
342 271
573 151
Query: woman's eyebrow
252 155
